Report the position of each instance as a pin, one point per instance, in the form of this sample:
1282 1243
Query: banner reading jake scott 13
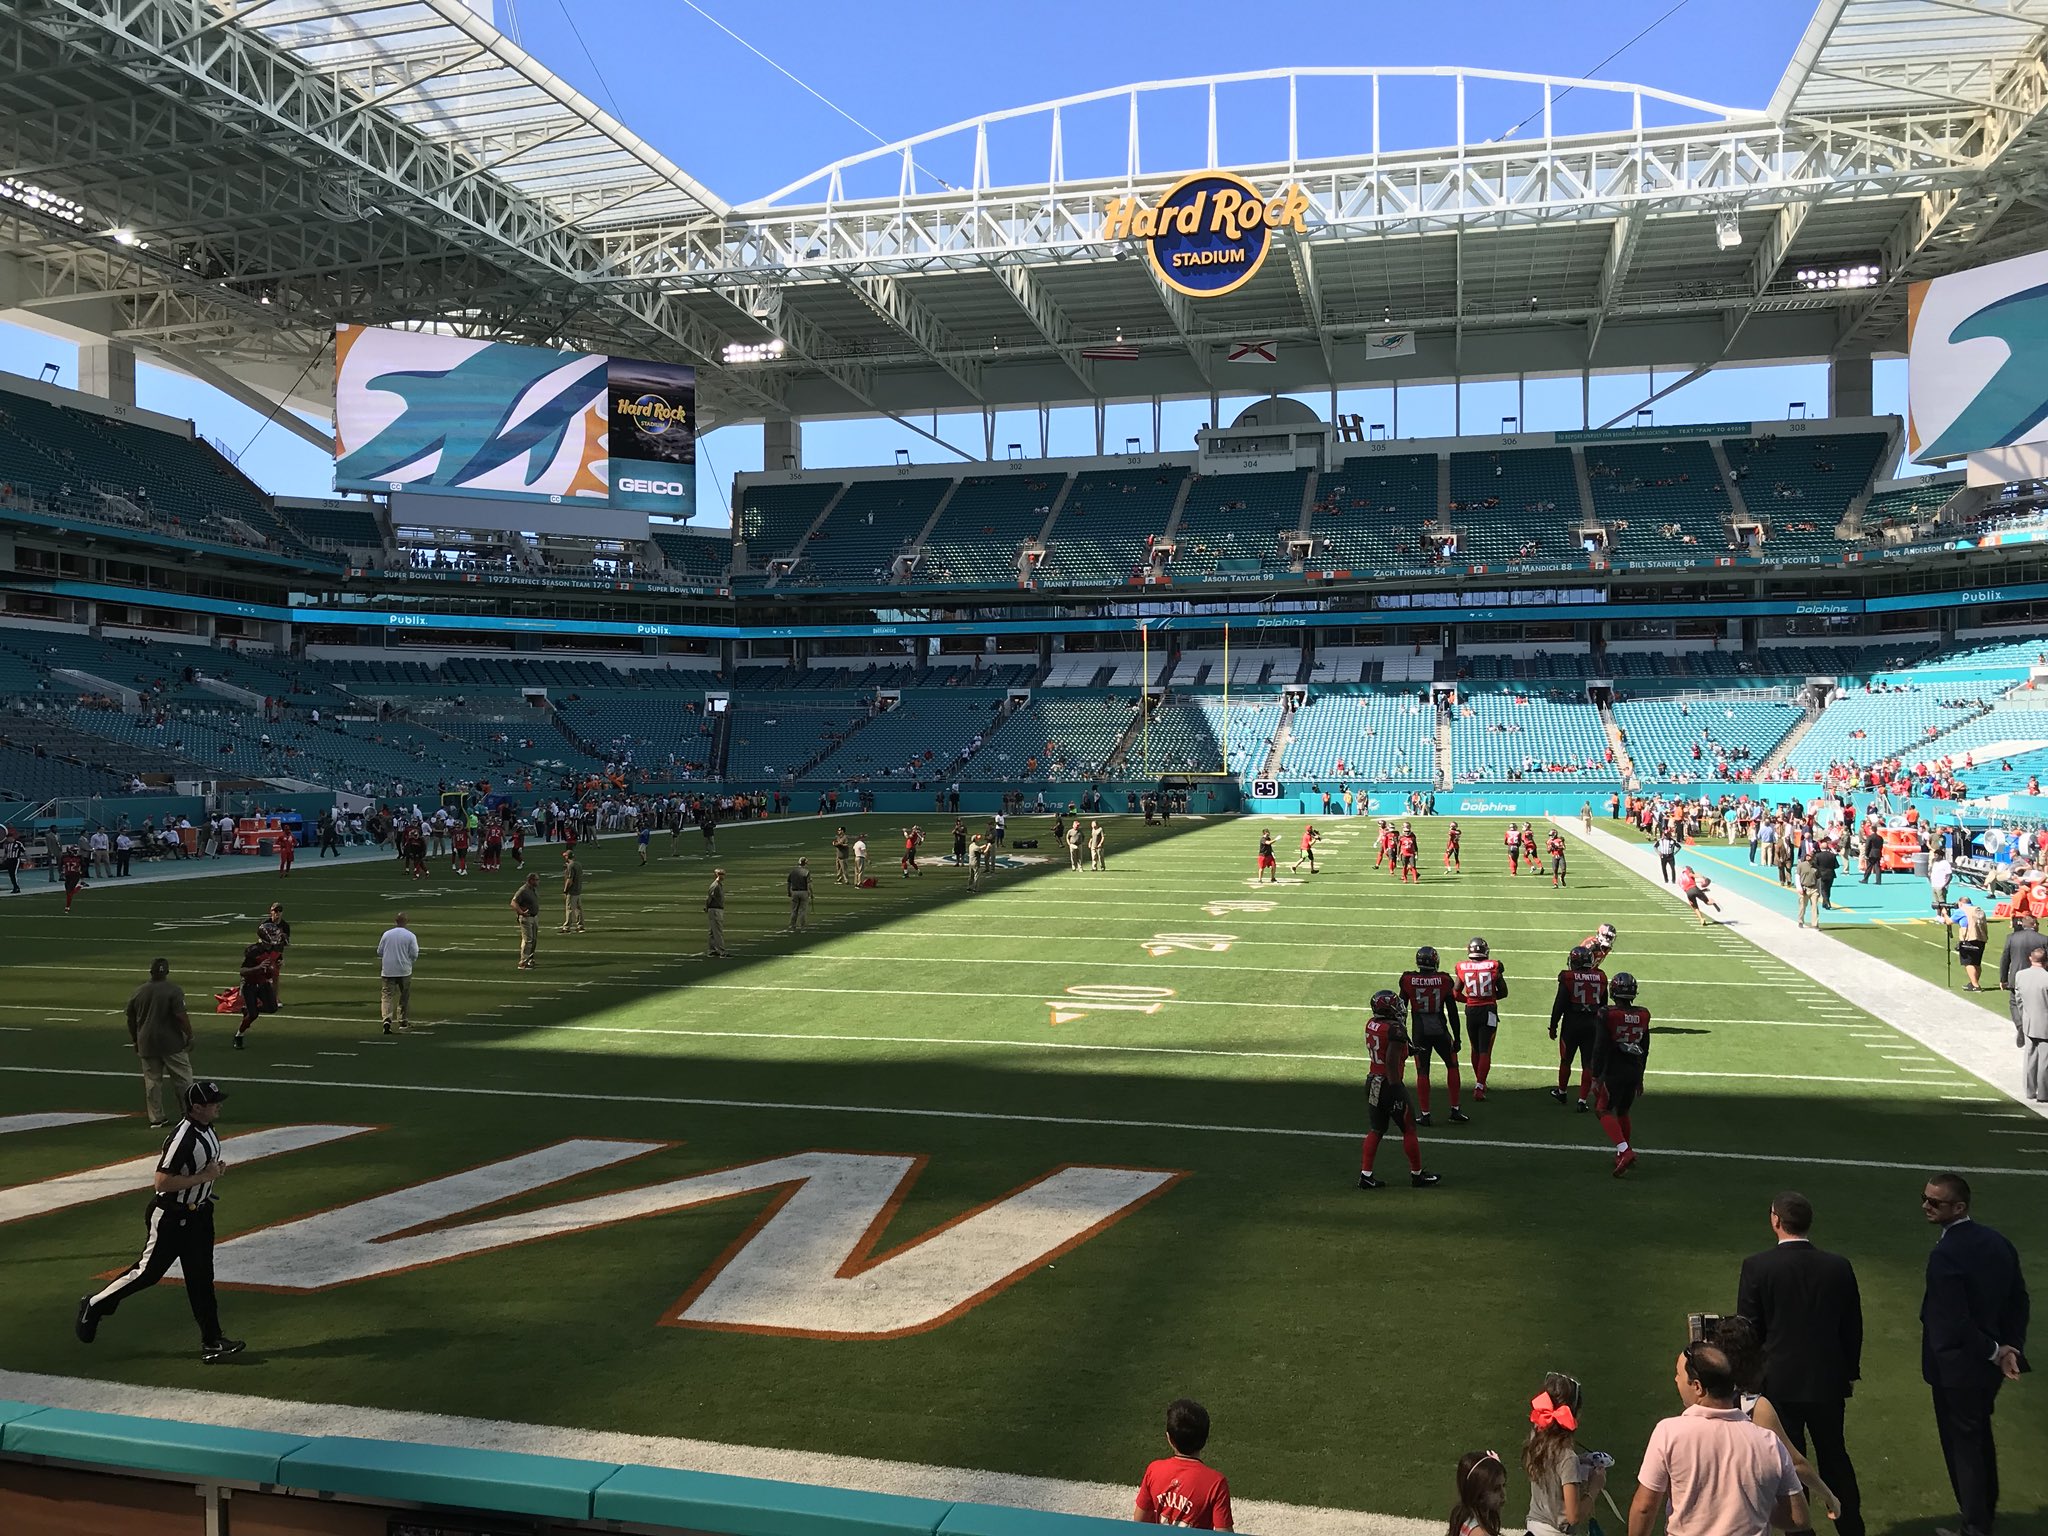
420 411
1208 233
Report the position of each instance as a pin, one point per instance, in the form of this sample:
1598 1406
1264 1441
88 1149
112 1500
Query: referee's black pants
175 1234
1667 866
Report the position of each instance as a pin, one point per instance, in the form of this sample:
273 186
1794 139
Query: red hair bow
1545 1411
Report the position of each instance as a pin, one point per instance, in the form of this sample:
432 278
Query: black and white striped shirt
189 1148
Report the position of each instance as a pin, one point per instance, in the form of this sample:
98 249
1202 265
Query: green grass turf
1350 1345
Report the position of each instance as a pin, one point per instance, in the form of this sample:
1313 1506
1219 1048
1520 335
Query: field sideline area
982 1180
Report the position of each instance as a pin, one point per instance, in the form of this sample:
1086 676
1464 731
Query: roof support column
782 443
107 369
1849 386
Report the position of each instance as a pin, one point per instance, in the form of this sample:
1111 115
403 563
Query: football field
981 1180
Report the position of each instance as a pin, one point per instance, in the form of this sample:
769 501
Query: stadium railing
122 1469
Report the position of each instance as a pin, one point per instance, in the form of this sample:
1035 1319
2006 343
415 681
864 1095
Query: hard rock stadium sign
1209 232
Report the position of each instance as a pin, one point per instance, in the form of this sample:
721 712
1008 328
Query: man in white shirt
398 951
102 855
1940 870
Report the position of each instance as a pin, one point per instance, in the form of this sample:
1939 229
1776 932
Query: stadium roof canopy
220 181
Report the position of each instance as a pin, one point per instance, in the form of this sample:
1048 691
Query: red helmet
1386 1004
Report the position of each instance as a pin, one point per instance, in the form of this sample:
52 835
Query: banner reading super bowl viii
422 412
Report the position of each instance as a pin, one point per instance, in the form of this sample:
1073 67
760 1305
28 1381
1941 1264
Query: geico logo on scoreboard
652 487
1209 232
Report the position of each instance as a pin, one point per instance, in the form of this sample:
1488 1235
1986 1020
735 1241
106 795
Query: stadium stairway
1282 734
1445 779
1784 749
1619 742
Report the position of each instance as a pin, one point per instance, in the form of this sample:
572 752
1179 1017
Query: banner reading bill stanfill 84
421 411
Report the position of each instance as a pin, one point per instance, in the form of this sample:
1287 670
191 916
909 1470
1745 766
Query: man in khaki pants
161 1032
398 951
526 907
800 896
572 892
714 916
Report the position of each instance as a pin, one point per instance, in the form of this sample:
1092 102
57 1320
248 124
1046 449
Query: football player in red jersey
1432 1028
1575 1016
71 870
458 860
1556 850
1600 943
1386 1095
1309 838
1621 1050
1408 846
494 843
518 840
1512 841
1529 843
1385 855
1451 859
1480 984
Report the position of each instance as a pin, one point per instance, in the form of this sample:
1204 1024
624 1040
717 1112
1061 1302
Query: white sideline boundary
1957 1031
913 1479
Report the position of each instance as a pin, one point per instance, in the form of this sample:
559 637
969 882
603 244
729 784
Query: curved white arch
1551 86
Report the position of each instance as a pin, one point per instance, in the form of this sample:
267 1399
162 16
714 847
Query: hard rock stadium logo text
651 414
1209 232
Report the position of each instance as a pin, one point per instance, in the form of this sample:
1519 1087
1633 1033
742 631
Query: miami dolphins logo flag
1978 359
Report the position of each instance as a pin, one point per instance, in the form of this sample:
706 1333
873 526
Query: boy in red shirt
1182 1489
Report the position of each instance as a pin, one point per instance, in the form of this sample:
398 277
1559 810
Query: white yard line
1957 1031
1446 1140
911 1479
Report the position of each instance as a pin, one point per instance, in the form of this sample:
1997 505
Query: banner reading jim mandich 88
421 411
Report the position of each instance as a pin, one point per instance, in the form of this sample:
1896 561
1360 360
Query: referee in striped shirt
179 1227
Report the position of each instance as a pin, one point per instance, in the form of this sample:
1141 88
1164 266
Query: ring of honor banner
421 412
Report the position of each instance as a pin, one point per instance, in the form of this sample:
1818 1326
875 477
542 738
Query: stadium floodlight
1728 228
1862 275
42 200
741 352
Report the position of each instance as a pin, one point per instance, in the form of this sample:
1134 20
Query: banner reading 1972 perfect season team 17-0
419 411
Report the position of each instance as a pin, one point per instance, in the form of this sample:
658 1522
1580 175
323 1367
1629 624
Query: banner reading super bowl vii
421 412
1977 359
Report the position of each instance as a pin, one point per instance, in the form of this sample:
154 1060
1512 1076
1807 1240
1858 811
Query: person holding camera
1720 1474
1564 1482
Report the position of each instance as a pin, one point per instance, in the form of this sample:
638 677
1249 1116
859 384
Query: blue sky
743 129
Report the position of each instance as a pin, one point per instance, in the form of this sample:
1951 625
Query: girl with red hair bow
1563 1483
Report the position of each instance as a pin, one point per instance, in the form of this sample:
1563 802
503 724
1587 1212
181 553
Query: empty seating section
1864 728
1801 487
1104 533
1502 735
25 776
1244 730
874 522
1660 501
2000 661
778 739
771 520
1374 736
351 527
1238 524
178 484
1369 512
921 738
977 538
1906 506
1661 733
1059 738
530 737
696 556
664 735
2008 732
1518 504
1080 669
1179 738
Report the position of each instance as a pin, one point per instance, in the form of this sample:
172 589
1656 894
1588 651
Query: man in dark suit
1809 1314
1973 1329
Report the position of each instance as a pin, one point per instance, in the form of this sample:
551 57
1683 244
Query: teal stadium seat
978 538
1102 538
1369 513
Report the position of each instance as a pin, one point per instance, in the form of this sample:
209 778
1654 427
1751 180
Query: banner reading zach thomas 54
425 412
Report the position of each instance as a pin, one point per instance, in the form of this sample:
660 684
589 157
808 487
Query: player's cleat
1624 1161
1424 1180
220 1349
1479 1093
387 1029
241 1042
1585 1108
1423 1119
88 1322
1459 1117
1367 1181
1557 1094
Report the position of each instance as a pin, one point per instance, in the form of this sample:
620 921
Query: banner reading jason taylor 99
424 412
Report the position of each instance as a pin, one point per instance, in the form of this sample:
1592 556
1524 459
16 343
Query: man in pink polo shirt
1719 1474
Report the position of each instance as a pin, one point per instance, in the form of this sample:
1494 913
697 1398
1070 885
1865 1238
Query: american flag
1120 353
